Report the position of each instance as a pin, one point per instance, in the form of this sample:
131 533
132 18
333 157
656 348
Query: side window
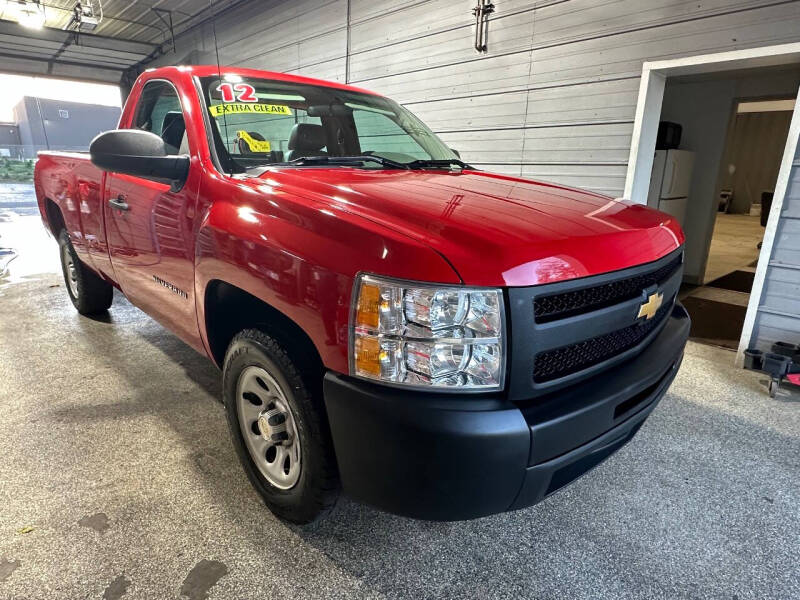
378 133
159 111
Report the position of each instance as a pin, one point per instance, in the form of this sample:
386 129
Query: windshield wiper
447 163
346 160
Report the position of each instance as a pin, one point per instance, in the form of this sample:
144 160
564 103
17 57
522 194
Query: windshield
258 122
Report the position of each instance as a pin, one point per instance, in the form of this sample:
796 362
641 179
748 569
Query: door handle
119 203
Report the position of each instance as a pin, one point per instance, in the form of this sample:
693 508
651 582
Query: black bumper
436 456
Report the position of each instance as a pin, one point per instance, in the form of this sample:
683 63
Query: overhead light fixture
28 13
84 16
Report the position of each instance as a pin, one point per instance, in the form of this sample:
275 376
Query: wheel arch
229 309
54 216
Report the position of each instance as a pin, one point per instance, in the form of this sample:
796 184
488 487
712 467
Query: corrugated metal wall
554 97
778 316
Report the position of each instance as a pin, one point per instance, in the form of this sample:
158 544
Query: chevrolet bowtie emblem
648 309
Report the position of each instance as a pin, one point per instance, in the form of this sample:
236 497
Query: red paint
296 238
226 91
247 93
244 92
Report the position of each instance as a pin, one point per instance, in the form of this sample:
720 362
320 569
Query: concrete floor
118 479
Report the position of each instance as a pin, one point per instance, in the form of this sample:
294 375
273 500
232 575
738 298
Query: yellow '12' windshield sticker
254 144
241 108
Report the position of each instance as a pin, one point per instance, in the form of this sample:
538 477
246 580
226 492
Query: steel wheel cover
268 427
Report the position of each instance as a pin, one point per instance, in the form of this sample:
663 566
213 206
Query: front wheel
88 292
278 429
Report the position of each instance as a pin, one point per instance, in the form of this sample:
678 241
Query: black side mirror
139 153
456 152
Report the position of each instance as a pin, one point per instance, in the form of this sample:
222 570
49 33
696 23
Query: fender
54 180
278 249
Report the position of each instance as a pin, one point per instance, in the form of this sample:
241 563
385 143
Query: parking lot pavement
16 195
118 480
26 249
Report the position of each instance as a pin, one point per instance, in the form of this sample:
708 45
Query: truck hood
497 230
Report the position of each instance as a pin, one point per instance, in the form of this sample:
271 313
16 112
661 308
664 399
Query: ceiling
125 19
131 31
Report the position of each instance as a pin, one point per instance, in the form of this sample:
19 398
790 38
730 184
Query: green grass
16 170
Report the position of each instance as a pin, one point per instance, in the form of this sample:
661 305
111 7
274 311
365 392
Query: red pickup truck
432 339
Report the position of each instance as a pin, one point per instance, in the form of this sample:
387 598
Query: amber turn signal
368 356
369 298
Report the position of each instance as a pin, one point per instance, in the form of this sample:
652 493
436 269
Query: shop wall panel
84 73
593 102
502 146
332 70
493 74
275 23
512 169
402 20
313 27
597 58
604 179
577 20
446 45
361 10
473 113
269 43
585 144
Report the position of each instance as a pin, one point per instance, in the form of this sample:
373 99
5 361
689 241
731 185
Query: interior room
721 140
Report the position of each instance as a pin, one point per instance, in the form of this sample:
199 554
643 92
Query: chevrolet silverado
392 323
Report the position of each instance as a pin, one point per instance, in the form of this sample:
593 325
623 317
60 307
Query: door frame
645 130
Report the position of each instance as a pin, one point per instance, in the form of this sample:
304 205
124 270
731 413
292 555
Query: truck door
89 181
150 227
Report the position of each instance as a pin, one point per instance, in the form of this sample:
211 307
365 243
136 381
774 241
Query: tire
277 423
89 293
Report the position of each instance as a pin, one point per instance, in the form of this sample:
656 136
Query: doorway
732 189
713 120
746 187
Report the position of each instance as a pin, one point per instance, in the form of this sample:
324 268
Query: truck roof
210 70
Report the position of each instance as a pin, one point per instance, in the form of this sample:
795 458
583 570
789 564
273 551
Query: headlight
425 335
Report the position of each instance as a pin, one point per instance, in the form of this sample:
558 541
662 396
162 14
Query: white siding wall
778 316
555 96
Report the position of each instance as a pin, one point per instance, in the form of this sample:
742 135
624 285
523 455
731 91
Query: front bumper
446 457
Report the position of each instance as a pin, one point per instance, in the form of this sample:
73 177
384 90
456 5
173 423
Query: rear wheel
89 293
278 427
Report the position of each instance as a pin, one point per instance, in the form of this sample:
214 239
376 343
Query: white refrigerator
670 181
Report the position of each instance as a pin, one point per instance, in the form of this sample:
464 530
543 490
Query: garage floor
117 479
